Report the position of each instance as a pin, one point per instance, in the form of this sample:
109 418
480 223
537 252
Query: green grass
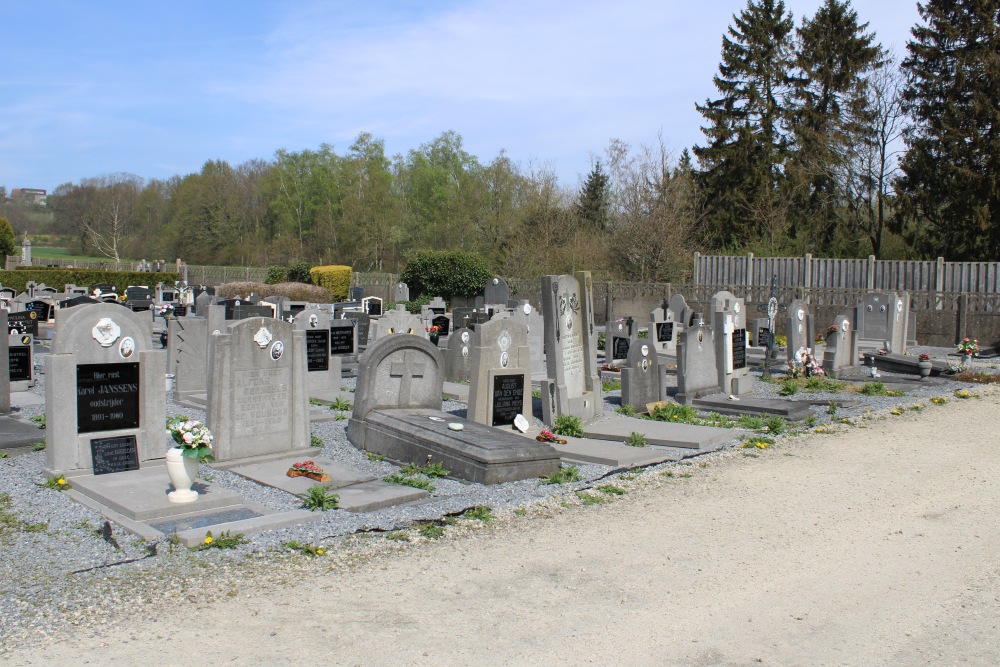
636 439
397 536
590 498
788 388
315 441
38 446
776 425
750 422
479 513
305 549
611 385
430 470
341 404
225 540
64 253
673 412
626 410
564 476
320 498
431 531
611 490
409 480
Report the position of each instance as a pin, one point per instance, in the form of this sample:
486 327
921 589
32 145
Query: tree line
819 139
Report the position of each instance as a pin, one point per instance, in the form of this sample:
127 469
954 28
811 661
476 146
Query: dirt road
871 546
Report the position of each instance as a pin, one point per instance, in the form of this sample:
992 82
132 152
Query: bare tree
110 219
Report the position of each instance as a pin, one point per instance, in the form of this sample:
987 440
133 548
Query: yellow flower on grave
208 539
61 481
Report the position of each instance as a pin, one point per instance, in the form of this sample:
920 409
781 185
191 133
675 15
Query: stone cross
406 370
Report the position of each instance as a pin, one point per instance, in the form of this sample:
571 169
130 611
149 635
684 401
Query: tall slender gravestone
21 366
697 371
663 330
839 353
458 356
617 342
532 319
729 323
188 339
496 294
401 293
5 375
800 328
573 384
682 312
257 398
323 370
104 392
641 375
500 375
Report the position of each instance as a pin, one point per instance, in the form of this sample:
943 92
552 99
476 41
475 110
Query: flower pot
925 367
434 338
182 470
316 477
966 359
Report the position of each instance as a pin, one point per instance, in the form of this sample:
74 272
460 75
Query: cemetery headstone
617 341
363 325
43 309
438 306
5 386
323 370
524 313
401 293
697 371
78 300
103 381
799 329
838 354
500 374
358 293
682 312
372 305
729 324
25 321
343 337
258 403
443 324
458 357
496 293
573 383
202 302
138 298
399 321
662 330
458 316
21 363
641 376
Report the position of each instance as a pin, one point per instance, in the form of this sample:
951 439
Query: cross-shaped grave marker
406 370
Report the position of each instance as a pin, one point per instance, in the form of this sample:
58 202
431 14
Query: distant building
29 196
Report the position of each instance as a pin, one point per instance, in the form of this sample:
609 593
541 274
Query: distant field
63 253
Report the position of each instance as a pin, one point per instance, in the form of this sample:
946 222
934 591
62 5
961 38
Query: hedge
335 278
57 278
446 274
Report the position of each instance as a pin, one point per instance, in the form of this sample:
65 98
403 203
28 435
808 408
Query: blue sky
157 89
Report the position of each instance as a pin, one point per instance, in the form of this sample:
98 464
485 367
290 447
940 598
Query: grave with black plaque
245 310
323 371
25 321
79 300
111 455
363 327
104 380
730 331
138 297
372 305
620 341
661 330
43 309
500 373
343 337
20 355
443 324
4 373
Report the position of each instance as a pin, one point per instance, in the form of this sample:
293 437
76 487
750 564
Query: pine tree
834 57
741 166
950 190
593 204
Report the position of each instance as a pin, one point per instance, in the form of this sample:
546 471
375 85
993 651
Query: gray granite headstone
524 313
401 293
663 330
682 312
697 372
187 355
729 323
573 384
323 370
641 375
398 321
496 293
257 398
103 380
458 356
838 354
799 328
500 376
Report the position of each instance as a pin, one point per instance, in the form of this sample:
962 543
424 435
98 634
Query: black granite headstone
619 347
341 340
42 308
508 398
443 324
25 321
664 332
20 361
317 350
364 323
107 397
740 348
114 454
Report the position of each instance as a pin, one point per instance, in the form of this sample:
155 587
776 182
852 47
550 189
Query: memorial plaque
341 340
364 324
25 322
107 397
20 362
443 323
508 398
619 347
42 309
740 348
317 350
114 454
664 332
374 306
180 309
763 336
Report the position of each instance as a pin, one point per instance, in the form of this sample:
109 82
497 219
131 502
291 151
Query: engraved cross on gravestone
406 370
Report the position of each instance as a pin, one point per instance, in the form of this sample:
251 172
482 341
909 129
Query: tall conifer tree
950 190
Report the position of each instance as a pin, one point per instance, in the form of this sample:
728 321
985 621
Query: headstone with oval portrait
500 374
527 315
641 380
697 371
729 324
458 356
323 370
663 330
104 383
838 355
799 329
258 401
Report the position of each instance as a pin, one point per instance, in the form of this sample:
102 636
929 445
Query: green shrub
19 277
321 498
446 273
275 275
874 389
568 425
298 272
334 278
6 237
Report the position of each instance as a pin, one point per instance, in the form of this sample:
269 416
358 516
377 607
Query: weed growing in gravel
57 483
776 425
409 480
39 421
590 499
685 475
10 524
626 410
397 536
340 416
341 404
225 540
315 441
479 513
831 409
431 531
636 439
305 549
38 446
4 455
717 420
965 393
939 400
564 476
757 443
316 401
977 377
372 456
673 412
430 470
810 421
877 389
321 498
788 388
568 425
668 473
520 511
611 490
750 422
611 385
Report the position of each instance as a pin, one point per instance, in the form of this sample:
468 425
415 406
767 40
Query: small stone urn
182 470
925 367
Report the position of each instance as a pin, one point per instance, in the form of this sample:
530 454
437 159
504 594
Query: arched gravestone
257 398
697 373
104 382
641 381
839 354
397 414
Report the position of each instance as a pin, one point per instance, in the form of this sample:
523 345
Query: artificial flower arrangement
805 364
833 328
924 357
165 310
192 437
308 469
549 436
969 346
433 329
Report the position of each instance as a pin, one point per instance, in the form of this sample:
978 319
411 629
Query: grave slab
610 453
901 363
664 434
456 391
376 495
273 473
141 495
15 433
794 410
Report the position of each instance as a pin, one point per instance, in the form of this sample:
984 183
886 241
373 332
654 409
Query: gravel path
65 573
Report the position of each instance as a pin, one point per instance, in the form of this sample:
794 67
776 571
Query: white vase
182 470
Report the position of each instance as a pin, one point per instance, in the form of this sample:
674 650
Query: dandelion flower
208 539
62 481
